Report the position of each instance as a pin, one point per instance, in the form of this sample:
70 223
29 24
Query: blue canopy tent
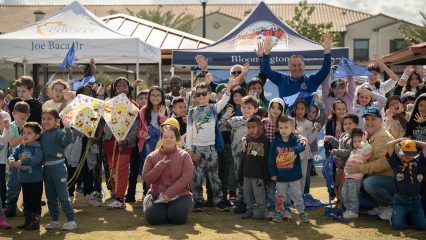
237 46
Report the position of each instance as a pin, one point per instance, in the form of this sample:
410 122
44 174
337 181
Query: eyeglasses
236 72
372 110
198 94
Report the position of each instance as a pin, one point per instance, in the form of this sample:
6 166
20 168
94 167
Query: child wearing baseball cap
406 163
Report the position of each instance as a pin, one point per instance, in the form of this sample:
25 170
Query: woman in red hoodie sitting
168 170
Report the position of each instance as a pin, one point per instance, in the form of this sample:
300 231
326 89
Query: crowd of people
256 155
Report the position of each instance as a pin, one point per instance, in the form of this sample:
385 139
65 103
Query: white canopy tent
48 41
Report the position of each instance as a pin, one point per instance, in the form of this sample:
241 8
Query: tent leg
137 73
159 75
172 71
25 69
192 77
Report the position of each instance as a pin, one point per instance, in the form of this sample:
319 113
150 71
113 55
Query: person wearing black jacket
25 89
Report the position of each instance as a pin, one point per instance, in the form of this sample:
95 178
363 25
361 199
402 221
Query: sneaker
287 215
271 215
303 218
116 205
260 215
98 197
240 207
375 211
222 206
198 206
350 215
386 213
247 215
232 197
69 226
278 217
52 226
92 201
209 203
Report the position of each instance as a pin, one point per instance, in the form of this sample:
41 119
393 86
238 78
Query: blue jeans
381 189
270 196
13 190
404 207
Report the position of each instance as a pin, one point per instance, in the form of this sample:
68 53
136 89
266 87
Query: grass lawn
99 224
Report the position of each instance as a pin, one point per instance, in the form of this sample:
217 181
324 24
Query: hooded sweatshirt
415 130
269 128
280 164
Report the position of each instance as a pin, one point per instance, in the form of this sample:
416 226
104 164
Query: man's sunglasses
198 94
372 110
236 72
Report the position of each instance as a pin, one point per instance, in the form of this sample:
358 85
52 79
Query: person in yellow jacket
174 123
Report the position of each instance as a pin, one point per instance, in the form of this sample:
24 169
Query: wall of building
217 25
379 38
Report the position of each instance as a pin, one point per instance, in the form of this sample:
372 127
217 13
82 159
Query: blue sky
406 10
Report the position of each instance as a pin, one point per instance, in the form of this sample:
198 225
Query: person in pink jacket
168 170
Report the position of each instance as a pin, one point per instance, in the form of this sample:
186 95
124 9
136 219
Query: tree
301 23
414 34
182 22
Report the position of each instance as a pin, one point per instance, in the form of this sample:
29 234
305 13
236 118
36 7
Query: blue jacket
288 85
31 167
54 142
279 164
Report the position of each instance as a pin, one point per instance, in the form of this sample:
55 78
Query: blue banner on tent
237 46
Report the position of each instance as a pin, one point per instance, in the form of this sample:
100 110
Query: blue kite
83 82
290 100
347 68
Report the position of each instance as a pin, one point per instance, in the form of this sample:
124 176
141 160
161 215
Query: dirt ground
100 223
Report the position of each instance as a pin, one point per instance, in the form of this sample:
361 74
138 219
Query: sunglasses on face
198 94
238 72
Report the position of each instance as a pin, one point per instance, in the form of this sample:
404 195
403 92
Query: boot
4 224
35 222
28 217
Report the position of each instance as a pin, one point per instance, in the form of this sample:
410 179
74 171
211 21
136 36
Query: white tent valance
48 41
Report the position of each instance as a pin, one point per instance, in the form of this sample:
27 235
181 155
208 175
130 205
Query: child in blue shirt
285 167
27 158
406 164
54 140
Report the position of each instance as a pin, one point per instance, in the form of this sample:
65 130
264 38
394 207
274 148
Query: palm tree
181 22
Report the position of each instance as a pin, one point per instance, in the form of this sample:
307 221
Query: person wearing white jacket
307 129
4 145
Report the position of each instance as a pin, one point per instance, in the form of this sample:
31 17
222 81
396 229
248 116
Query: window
397 44
361 50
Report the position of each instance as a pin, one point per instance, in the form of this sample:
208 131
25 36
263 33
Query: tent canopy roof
48 40
237 46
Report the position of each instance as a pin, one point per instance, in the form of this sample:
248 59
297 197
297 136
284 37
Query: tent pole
137 73
172 71
25 69
192 77
159 74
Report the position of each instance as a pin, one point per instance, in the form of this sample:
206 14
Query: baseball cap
408 96
372 111
408 147
220 88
